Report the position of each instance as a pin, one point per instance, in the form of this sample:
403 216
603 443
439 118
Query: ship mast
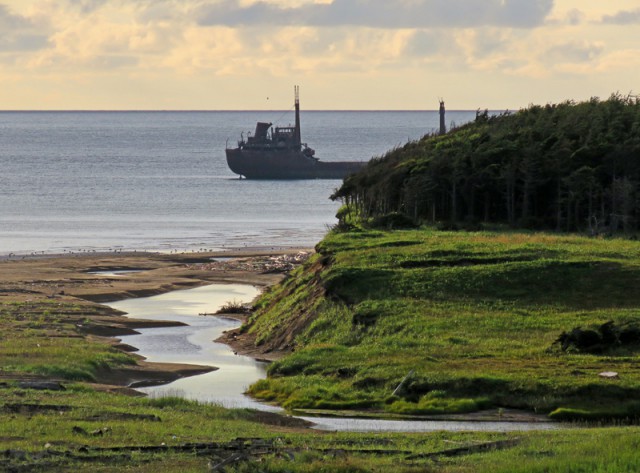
297 138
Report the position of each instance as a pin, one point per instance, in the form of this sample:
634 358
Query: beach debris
400 386
95 433
259 264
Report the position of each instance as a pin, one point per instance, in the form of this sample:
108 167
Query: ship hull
286 164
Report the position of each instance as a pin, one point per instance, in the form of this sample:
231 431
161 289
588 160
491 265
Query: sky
344 54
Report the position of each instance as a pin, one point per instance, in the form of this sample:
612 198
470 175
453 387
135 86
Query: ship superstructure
278 153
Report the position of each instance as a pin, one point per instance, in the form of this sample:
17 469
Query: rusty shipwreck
279 153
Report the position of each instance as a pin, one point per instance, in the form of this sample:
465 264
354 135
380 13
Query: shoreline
244 344
219 252
72 279
173 252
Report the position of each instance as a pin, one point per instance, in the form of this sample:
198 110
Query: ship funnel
297 136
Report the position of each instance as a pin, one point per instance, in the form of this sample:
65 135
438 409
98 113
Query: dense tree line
570 166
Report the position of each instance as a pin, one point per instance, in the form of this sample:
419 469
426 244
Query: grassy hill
471 320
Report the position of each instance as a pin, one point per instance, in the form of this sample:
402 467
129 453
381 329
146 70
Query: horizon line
234 110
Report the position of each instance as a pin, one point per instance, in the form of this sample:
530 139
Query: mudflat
85 281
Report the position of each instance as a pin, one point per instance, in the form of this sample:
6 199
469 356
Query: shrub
392 221
233 307
436 403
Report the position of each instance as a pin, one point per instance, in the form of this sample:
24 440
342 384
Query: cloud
158 11
114 61
379 14
10 21
574 52
18 33
625 17
572 17
575 17
87 6
22 42
424 43
488 42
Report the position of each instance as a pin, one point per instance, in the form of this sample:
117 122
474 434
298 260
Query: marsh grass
473 315
130 422
138 421
40 338
65 430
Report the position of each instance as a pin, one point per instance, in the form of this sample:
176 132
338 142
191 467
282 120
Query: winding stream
193 344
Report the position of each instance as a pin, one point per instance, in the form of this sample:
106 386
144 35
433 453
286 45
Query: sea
77 182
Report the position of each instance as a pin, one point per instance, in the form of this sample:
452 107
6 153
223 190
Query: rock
79 430
608 374
100 432
15 455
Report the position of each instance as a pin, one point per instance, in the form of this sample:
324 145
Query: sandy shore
80 279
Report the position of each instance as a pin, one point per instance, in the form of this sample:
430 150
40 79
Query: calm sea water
85 181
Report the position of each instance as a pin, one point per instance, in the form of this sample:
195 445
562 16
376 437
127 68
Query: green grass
369 309
474 317
41 339
129 422
91 410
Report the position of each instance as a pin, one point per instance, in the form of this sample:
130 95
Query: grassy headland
467 320
562 167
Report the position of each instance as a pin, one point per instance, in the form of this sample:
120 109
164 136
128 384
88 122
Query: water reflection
116 273
193 343
376 425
